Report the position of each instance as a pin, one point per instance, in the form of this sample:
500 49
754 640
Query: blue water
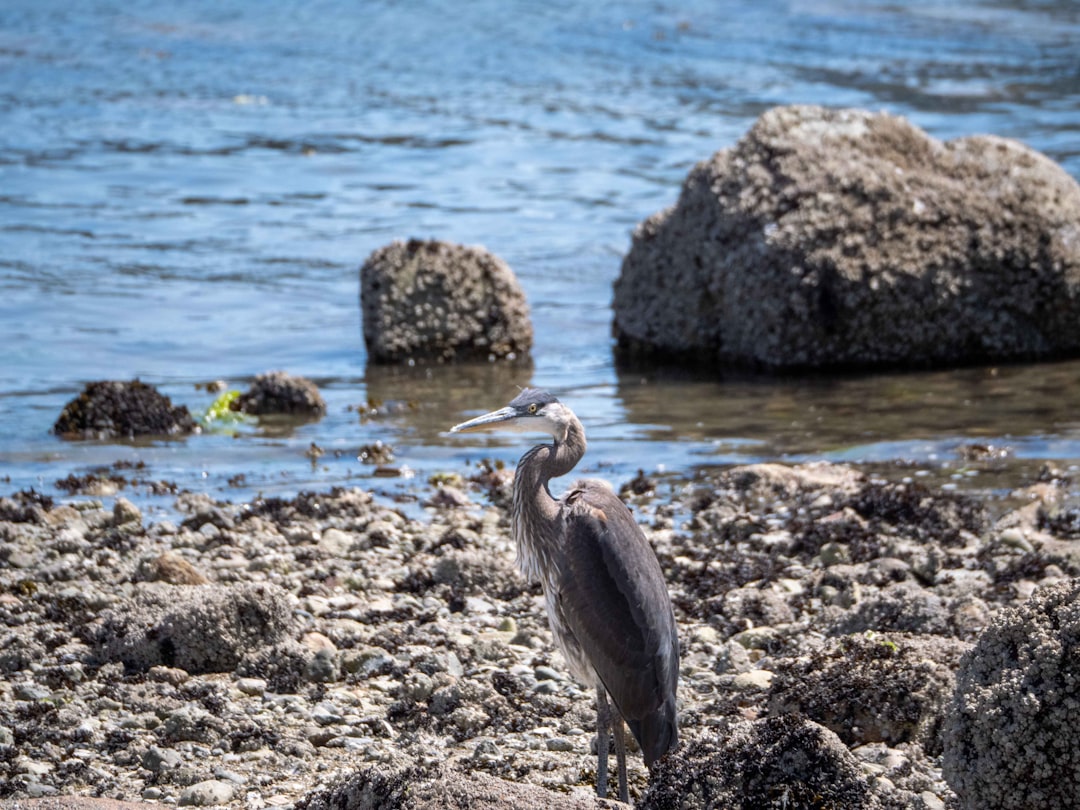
188 189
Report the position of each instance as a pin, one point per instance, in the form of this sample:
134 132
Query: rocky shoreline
328 651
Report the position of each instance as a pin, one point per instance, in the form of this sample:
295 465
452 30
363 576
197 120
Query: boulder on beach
111 409
844 239
203 628
1010 731
873 687
786 761
277 392
438 788
428 301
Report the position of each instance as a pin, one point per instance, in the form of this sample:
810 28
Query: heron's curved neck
535 511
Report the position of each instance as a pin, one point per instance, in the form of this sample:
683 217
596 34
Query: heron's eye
532 408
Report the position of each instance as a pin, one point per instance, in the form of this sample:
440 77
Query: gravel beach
327 651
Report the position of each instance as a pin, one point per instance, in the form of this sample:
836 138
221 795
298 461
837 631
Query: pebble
124 511
757 638
834 554
507 625
754 679
487 752
559 744
336 542
158 759
31 691
367 662
21 559
207 794
1015 538
326 714
251 686
476 605
37 790
170 675
32 766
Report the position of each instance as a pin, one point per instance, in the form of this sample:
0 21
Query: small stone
327 714
754 679
336 542
477 606
36 790
32 766
124 511
158 759
508 625
448 497
487 752
31 691
207 794
323 667
468 720
756 638
171 675
367 662
835 554
1015 538
251 686
20 559
558 744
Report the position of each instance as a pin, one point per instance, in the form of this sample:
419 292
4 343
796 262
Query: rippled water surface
187 192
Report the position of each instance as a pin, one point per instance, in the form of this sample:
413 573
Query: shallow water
188 190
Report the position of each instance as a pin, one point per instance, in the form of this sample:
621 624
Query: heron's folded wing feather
613 598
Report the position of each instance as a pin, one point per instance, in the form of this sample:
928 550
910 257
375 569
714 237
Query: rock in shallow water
110 409
841 238
432 301
278 392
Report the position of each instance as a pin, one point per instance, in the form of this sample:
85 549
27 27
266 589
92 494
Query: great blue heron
606 599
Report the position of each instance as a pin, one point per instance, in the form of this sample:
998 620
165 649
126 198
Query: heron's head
531 410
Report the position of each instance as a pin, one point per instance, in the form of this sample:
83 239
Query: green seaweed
222 413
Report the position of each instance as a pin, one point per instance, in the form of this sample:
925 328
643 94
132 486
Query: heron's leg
619 729
603 723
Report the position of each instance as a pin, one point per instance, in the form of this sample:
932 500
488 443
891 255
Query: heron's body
606 599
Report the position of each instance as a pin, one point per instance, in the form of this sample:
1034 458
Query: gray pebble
559 744
206 794
31 691
161 759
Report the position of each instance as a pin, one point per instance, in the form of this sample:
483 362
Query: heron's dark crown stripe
529 396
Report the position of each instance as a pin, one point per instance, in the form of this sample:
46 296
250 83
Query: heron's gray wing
613 598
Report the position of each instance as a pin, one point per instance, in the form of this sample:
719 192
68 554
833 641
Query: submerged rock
110 409
842 238
431 301
282 393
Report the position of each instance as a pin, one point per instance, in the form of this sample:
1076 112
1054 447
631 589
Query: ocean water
188 190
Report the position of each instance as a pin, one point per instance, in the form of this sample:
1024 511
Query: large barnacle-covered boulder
843 238
428 301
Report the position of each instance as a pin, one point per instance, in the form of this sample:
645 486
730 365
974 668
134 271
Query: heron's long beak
504 417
